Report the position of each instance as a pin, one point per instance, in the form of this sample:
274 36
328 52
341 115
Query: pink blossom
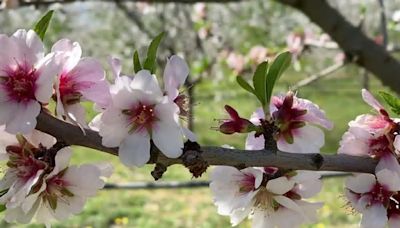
236 62
295 43
139 113
63 192
294 118
26 80
258 54
273 200
24 169
373 135
375 197
80 79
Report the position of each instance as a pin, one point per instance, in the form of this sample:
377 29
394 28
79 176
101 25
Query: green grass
339 96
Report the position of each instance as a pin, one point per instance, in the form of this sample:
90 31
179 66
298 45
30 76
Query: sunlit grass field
339 96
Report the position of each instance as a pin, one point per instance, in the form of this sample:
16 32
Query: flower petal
147 83
374 217
30 47
114 127
121 94
389 179
116 66
135 150
308 139
7 111
24 120
280 185
370 99
175 74
254 143
47 68
72 52
360 183
314 114
168 138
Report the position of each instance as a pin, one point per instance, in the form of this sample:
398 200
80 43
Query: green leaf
392 101
136 62
280 64
41 26
259 82
150 62
244 84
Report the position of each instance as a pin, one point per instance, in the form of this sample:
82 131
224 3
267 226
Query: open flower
23 172
294 118
274 201
26 80
63 192
80 79
140 113
373 135
375 198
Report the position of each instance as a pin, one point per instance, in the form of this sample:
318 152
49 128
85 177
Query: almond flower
294 118
38 182
80 79
139 113
373 135
24 169
270 199
63 192
26 80
376 197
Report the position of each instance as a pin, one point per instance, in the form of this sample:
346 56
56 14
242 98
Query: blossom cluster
273 197
39 184
375 196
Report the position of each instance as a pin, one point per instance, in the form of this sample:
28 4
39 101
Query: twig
72 135
313 78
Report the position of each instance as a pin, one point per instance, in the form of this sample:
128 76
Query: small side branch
313 78
73 135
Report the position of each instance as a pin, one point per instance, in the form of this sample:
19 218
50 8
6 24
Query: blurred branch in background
315 77
365 52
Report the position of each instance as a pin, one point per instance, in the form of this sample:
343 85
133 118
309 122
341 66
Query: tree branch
352 40
325 72
73 135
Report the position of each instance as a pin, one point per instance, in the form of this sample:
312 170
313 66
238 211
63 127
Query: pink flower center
379 194
20 84
247 183
379 146
287 117
142 117
70 90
